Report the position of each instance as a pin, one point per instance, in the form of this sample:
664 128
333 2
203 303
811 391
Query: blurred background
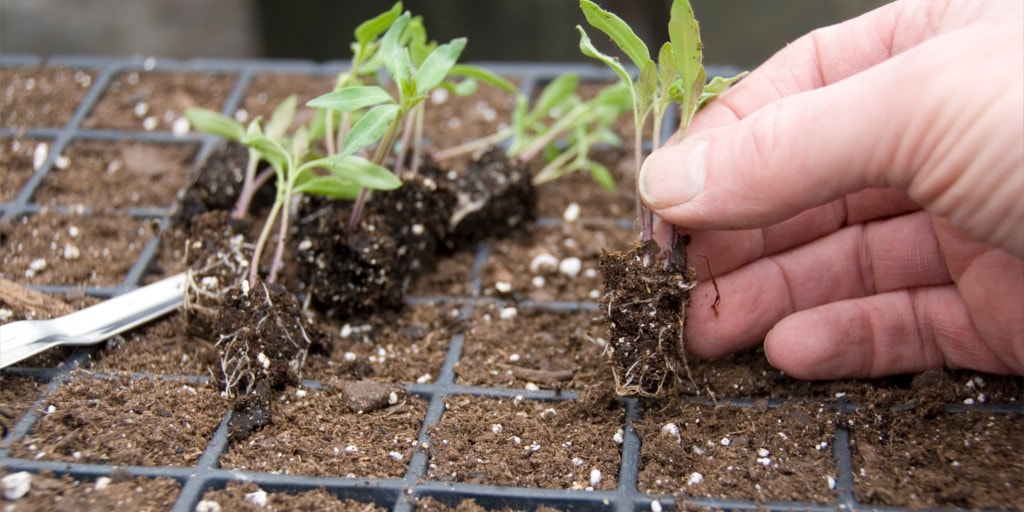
742 33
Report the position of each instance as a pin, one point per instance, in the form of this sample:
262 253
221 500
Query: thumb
902 122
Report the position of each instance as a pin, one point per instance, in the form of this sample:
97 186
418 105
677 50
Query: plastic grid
398 494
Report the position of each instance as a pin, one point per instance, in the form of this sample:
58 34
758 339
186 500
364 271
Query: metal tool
26 338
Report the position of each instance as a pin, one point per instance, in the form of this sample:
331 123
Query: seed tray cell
111 85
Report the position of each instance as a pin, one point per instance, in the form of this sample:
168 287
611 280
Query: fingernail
673 175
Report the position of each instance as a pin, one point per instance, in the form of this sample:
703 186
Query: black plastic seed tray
396 493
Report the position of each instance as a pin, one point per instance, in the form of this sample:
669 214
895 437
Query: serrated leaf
215 123
352 98
619 32
282 117
437 65
369 128
484 75
372 28
588 49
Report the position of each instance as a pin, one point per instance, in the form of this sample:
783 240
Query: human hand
804 187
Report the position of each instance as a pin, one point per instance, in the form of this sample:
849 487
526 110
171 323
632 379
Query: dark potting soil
645 297
120 491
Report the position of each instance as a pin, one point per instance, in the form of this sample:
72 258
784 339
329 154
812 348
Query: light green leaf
328 186
369 128
363 172
588 49
464 87
668 71
396 55
684 33
601 175
554 94
436 66
372 28
300 143
282 117
352 98
618 31
215 123
647 84
483 75
717 86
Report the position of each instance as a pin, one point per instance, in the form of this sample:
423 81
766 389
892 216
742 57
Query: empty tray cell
157 100
41 97
528 443
506 347
117 175
249 496
745 453
73 250
106 421
968 460
332 432
119 491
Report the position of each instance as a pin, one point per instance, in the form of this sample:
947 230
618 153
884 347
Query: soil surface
498 328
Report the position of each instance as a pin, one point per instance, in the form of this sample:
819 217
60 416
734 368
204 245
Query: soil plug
647 289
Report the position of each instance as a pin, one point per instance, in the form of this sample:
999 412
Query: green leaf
328 186
588 49
372 28
415 39
300 143
362 171
684 33
668 71
554 94
717 86
396 55
436 66
369 128
618 31
282 117
647 84
601 175
270 150
484 75
352 98
215 123
463 87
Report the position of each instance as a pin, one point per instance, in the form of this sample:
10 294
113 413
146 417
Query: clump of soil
370 269
262 345
495 198
645 302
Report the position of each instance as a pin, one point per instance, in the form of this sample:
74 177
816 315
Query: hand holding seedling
870 181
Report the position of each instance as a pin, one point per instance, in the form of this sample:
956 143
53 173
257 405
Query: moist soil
152 397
